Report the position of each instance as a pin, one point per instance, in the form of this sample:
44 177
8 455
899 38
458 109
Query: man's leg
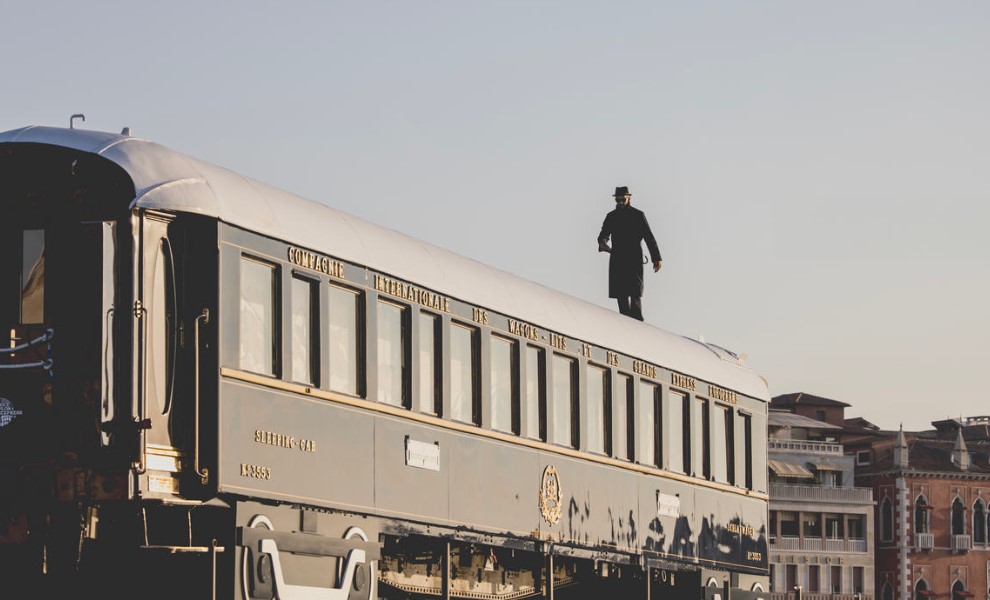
636 310
623 304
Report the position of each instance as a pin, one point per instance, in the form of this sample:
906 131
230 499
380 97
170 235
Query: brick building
932 491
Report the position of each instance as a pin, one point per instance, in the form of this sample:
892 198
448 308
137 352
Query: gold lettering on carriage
523 330
315 262
741 529
645 369
722 394
683 381
270 438
411 293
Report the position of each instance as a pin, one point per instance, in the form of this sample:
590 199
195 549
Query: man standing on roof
628 229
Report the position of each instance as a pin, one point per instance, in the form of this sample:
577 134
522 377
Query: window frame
475 371
276 311
360 339
405 344
314 327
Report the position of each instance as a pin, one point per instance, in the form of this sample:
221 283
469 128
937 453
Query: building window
305 316
887 591
886 521
464 373
921 590
346 340
259 325
599 401
393 353
921 515
858 579
820 415
33 276
862 458
856 529
814 578
959 591
958 517
773 523
789 525
836 579
833 526
504 375
723 446
429 363
536 393
565 396
790 577
812 525
979 522
625 443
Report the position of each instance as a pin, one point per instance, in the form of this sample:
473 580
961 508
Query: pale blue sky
817 173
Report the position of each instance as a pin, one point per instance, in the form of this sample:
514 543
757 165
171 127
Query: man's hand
656 265
604 247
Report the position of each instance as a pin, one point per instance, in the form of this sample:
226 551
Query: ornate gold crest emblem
550 495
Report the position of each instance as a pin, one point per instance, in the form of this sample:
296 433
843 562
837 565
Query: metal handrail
204 474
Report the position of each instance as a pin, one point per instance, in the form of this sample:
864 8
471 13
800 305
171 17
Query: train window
649 394
723 463
565 414
625 442
393 353
504 375
258 327
305 317
678 433
599 410
344 323
747 450
464 373
162 326
536 393
701 448
33 276
429 363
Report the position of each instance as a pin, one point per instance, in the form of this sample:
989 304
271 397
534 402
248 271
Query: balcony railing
818 493
805 447
819 596
924 541
785 542
961 543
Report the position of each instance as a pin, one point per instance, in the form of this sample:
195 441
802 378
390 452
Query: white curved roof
166 179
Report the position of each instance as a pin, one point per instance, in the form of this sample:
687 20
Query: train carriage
218 389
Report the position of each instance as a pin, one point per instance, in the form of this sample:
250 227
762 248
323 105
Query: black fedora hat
621 191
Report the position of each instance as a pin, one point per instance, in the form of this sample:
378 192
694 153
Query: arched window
921 515
979 522
886 520
958 589
958 517
921 590
887 593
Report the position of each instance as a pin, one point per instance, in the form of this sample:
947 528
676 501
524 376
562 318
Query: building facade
821 526
932 490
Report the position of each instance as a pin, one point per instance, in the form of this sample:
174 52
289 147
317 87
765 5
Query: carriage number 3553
255 471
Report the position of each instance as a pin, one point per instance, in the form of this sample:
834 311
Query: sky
817 173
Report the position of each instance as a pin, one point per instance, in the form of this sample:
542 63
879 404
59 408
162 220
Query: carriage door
156 342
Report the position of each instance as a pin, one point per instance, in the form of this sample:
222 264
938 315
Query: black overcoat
628 229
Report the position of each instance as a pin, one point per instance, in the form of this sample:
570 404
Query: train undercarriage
232 548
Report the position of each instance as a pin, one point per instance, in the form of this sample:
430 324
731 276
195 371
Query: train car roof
168 180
